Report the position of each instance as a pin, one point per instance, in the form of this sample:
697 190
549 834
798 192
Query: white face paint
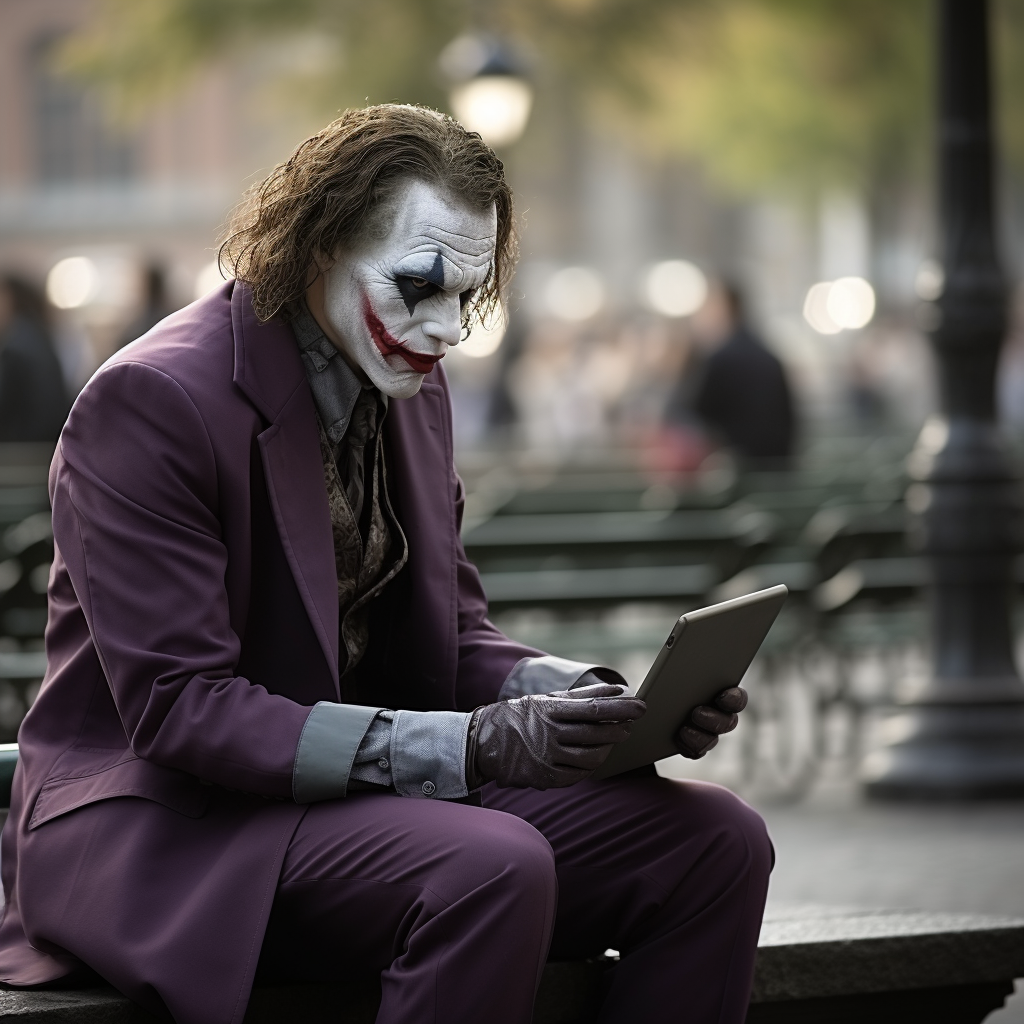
394 304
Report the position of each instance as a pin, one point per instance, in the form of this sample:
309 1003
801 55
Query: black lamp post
963 734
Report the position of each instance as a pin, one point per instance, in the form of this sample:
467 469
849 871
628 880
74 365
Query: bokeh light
930 280
675 288
496 106
208 279
834 306
851 302
483 340
816 309
73 282
574 294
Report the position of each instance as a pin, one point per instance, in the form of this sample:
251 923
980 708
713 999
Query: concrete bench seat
815 965
832 965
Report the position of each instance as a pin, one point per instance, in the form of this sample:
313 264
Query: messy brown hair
297 219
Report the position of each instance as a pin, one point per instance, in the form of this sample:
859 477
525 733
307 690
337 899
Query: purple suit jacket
193 623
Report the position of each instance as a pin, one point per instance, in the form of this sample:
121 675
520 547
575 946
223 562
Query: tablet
707 651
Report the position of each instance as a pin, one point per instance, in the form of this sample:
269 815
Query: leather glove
547 740
706 723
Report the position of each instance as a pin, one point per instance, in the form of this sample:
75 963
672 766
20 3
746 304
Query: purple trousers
459 907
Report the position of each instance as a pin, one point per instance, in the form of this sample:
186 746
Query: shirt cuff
428 754
327 749
548 674
373 758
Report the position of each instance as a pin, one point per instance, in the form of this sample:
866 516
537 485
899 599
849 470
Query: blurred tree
768 94
791 93
1009 55
385 50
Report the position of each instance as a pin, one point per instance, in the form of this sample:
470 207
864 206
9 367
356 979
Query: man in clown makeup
278 739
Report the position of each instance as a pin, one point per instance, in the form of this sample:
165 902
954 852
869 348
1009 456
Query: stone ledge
951 1004
88 1006
814 952
814 964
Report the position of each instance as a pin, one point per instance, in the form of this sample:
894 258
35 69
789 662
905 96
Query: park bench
817 965
882 579
726 538
614 485
602 492
557 546
547 588
842 533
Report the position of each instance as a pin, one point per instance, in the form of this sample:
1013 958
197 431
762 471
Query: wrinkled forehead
439 238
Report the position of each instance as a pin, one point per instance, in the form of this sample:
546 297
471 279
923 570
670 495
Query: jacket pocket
85 777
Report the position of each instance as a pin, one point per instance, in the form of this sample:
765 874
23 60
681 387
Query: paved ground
834 847
928 858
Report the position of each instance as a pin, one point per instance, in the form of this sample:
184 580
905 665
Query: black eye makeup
415 289
466 297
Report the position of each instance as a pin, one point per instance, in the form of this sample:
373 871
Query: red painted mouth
388 346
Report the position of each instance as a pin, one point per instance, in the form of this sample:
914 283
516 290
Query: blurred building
70 177
127 196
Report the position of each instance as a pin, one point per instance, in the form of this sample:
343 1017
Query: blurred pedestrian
740 393
34 400
156 304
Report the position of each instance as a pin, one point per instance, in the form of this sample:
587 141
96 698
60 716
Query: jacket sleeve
486 655
136 517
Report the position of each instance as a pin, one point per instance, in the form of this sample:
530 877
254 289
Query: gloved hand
706 723
548 740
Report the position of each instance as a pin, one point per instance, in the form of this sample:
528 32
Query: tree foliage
768 94
798 91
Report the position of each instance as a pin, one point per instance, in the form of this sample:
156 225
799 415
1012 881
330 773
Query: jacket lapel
269 371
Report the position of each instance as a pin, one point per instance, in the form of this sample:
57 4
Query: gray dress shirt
414 753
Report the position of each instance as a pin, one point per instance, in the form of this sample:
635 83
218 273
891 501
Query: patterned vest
366 561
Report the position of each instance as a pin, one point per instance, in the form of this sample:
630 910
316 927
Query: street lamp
962 735
490 93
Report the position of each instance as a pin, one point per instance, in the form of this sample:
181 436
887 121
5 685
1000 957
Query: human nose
445 322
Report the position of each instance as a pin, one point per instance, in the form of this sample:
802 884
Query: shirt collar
333 382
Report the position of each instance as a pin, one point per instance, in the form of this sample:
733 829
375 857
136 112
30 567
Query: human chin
391 382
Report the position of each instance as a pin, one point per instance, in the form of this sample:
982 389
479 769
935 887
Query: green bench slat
601 528
580 586
22 664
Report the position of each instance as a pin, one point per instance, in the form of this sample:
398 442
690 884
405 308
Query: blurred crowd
680 390
675 390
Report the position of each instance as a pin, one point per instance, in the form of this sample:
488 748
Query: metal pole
962 735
